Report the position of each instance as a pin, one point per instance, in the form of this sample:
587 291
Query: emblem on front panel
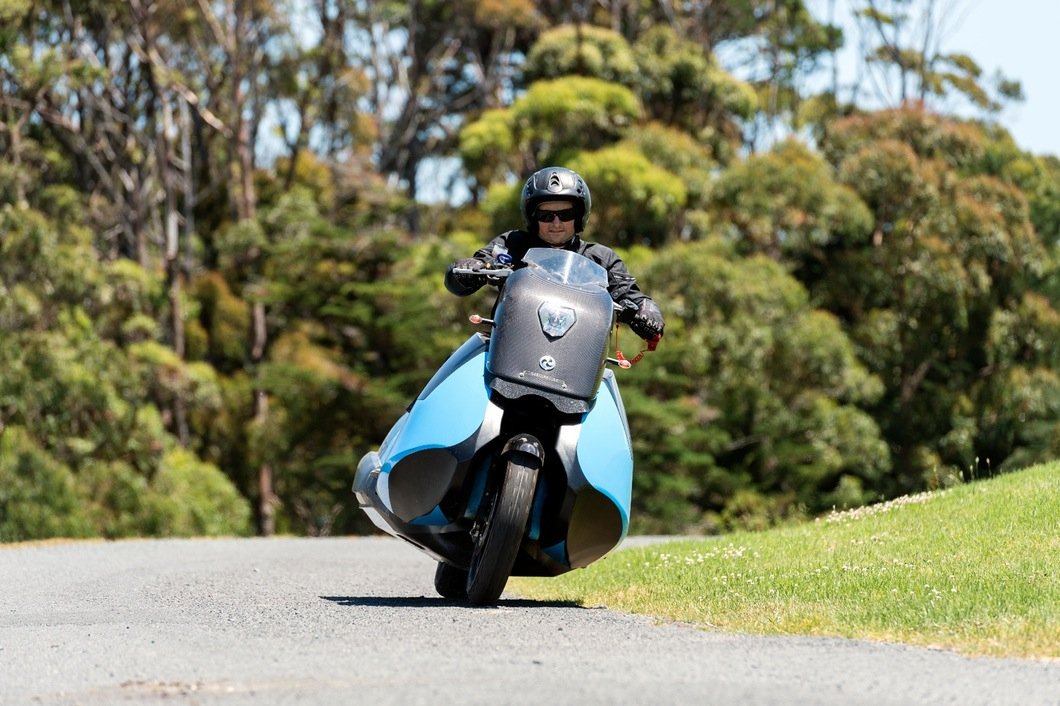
547 362
556 319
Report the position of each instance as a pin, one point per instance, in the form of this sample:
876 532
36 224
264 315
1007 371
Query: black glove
648 322
469 281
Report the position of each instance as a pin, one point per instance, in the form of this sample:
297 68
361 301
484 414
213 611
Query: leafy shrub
38 495
190 498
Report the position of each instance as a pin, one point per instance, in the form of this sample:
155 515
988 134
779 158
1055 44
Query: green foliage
183 497
38 494
83 374
752 392
956 143
552 120
676 152
225 319
787 204
868 316
908 60
501 203
487 145
636 202
572 112
312 191
1038 178
113 495
60 202
128 294
14 9
952 255
357 322
167 378
681 85
47 257
191 498
583 50
66 385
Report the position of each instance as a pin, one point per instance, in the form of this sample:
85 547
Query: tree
429 63
905 62
678 82
787 204
40 497
581 50
682 86
85 393
792 45
951 257
848 320
77 76
553 120
752 409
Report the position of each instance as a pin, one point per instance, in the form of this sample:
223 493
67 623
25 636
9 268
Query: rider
555 202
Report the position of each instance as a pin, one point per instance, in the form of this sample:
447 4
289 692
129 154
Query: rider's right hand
475 279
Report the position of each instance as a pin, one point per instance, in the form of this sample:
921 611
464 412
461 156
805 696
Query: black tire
498 543
450 582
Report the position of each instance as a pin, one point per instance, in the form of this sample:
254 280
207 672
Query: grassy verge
975 568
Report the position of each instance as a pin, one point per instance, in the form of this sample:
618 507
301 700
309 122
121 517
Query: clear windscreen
566 267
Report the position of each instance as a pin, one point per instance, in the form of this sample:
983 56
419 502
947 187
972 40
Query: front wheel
497 545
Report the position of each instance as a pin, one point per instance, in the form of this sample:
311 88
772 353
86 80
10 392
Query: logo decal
547 362
555 319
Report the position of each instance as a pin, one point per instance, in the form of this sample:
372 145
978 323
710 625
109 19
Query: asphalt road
349 621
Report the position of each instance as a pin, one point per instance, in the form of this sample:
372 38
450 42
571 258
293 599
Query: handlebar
499 273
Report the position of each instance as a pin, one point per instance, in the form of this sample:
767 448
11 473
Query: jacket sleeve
623 288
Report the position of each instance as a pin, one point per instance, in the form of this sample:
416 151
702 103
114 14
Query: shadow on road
438 602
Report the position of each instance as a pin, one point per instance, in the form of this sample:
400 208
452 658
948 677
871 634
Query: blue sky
1019 38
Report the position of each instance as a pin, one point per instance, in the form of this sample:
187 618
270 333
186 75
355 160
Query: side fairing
449 409
420 455
598 457
605 453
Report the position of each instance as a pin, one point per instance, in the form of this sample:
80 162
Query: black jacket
620 283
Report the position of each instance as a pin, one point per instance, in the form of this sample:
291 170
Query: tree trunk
14 128
190 202
266 495
172 258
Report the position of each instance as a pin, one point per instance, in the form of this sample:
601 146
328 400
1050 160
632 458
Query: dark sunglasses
566 215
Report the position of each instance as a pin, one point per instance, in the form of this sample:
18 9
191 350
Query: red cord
652 345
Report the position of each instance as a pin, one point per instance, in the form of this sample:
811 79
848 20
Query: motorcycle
515 459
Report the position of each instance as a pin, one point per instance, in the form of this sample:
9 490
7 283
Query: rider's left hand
648 322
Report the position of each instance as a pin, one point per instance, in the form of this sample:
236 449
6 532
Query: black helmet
555 184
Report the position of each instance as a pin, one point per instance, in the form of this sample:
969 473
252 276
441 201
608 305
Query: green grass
975 568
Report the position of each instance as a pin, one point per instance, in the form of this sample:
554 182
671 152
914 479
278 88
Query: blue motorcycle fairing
474 345
448 412
598 456
605 461
451 407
